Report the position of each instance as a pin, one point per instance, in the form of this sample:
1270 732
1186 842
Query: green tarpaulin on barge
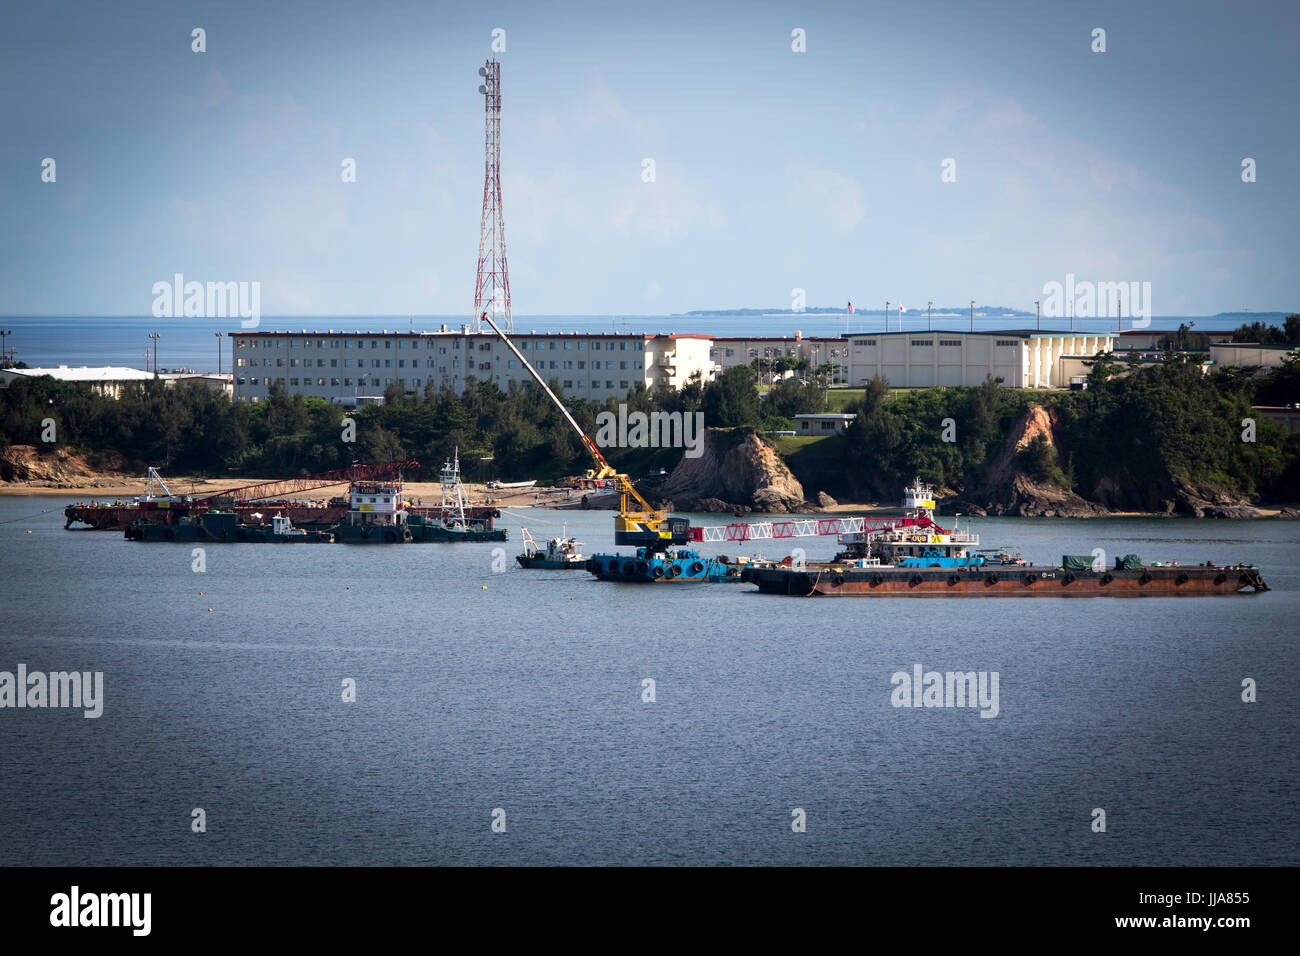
1083 562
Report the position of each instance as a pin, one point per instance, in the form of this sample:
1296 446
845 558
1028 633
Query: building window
922 342
950 342
1005 343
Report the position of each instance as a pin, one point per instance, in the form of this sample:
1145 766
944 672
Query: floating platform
832 580
679 566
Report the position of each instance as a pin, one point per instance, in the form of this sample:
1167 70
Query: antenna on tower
492 286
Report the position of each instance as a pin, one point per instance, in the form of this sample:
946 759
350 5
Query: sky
775 170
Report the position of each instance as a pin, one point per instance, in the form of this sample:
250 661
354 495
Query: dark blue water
191 343
527 696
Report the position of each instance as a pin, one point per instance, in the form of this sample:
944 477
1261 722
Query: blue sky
774 169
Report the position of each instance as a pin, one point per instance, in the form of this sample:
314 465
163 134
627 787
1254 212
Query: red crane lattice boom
288 487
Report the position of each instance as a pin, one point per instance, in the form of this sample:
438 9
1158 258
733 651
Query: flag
900 307
850 308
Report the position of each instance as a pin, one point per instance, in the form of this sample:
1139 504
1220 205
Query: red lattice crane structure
290 487
492 286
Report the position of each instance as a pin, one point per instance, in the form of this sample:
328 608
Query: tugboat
561 554
453 524
915 557
376 515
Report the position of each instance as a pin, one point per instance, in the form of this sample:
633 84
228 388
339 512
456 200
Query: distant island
843 310
950 310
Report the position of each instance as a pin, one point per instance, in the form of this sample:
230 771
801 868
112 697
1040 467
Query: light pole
1071 313
4 353
155 336
886 316
1039 309
929 309
972 315
218 335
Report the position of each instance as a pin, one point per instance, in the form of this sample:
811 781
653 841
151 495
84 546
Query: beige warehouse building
1021 358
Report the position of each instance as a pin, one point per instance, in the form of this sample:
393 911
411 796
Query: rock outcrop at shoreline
1000 488
1172 496
56 468
732 474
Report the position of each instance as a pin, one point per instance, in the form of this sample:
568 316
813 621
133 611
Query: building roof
1254 345
1018 333
409 334
776 338
107 373
840 416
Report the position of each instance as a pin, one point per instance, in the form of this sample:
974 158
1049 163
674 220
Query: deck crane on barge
636 523
658 537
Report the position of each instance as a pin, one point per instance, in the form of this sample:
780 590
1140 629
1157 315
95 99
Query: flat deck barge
832 580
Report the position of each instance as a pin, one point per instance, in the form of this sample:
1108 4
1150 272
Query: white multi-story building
351 367
1022 359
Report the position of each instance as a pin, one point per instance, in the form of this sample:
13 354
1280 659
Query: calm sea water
223 691
191 343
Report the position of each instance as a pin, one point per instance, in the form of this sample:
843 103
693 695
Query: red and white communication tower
492 287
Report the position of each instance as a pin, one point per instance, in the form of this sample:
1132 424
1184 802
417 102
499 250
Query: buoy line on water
26 517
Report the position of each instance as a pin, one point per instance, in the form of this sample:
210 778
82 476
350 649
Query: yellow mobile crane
636 523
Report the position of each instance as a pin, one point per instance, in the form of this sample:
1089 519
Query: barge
915 557
672 566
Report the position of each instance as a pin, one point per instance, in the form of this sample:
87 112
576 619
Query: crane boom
646 526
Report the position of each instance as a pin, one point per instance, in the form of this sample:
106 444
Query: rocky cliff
733 474
56 468
1001 488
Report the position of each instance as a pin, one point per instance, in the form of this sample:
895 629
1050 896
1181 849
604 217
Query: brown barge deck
831 580
307 516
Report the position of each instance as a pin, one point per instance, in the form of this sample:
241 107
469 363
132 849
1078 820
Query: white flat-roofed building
107 379
1021 358
339 366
